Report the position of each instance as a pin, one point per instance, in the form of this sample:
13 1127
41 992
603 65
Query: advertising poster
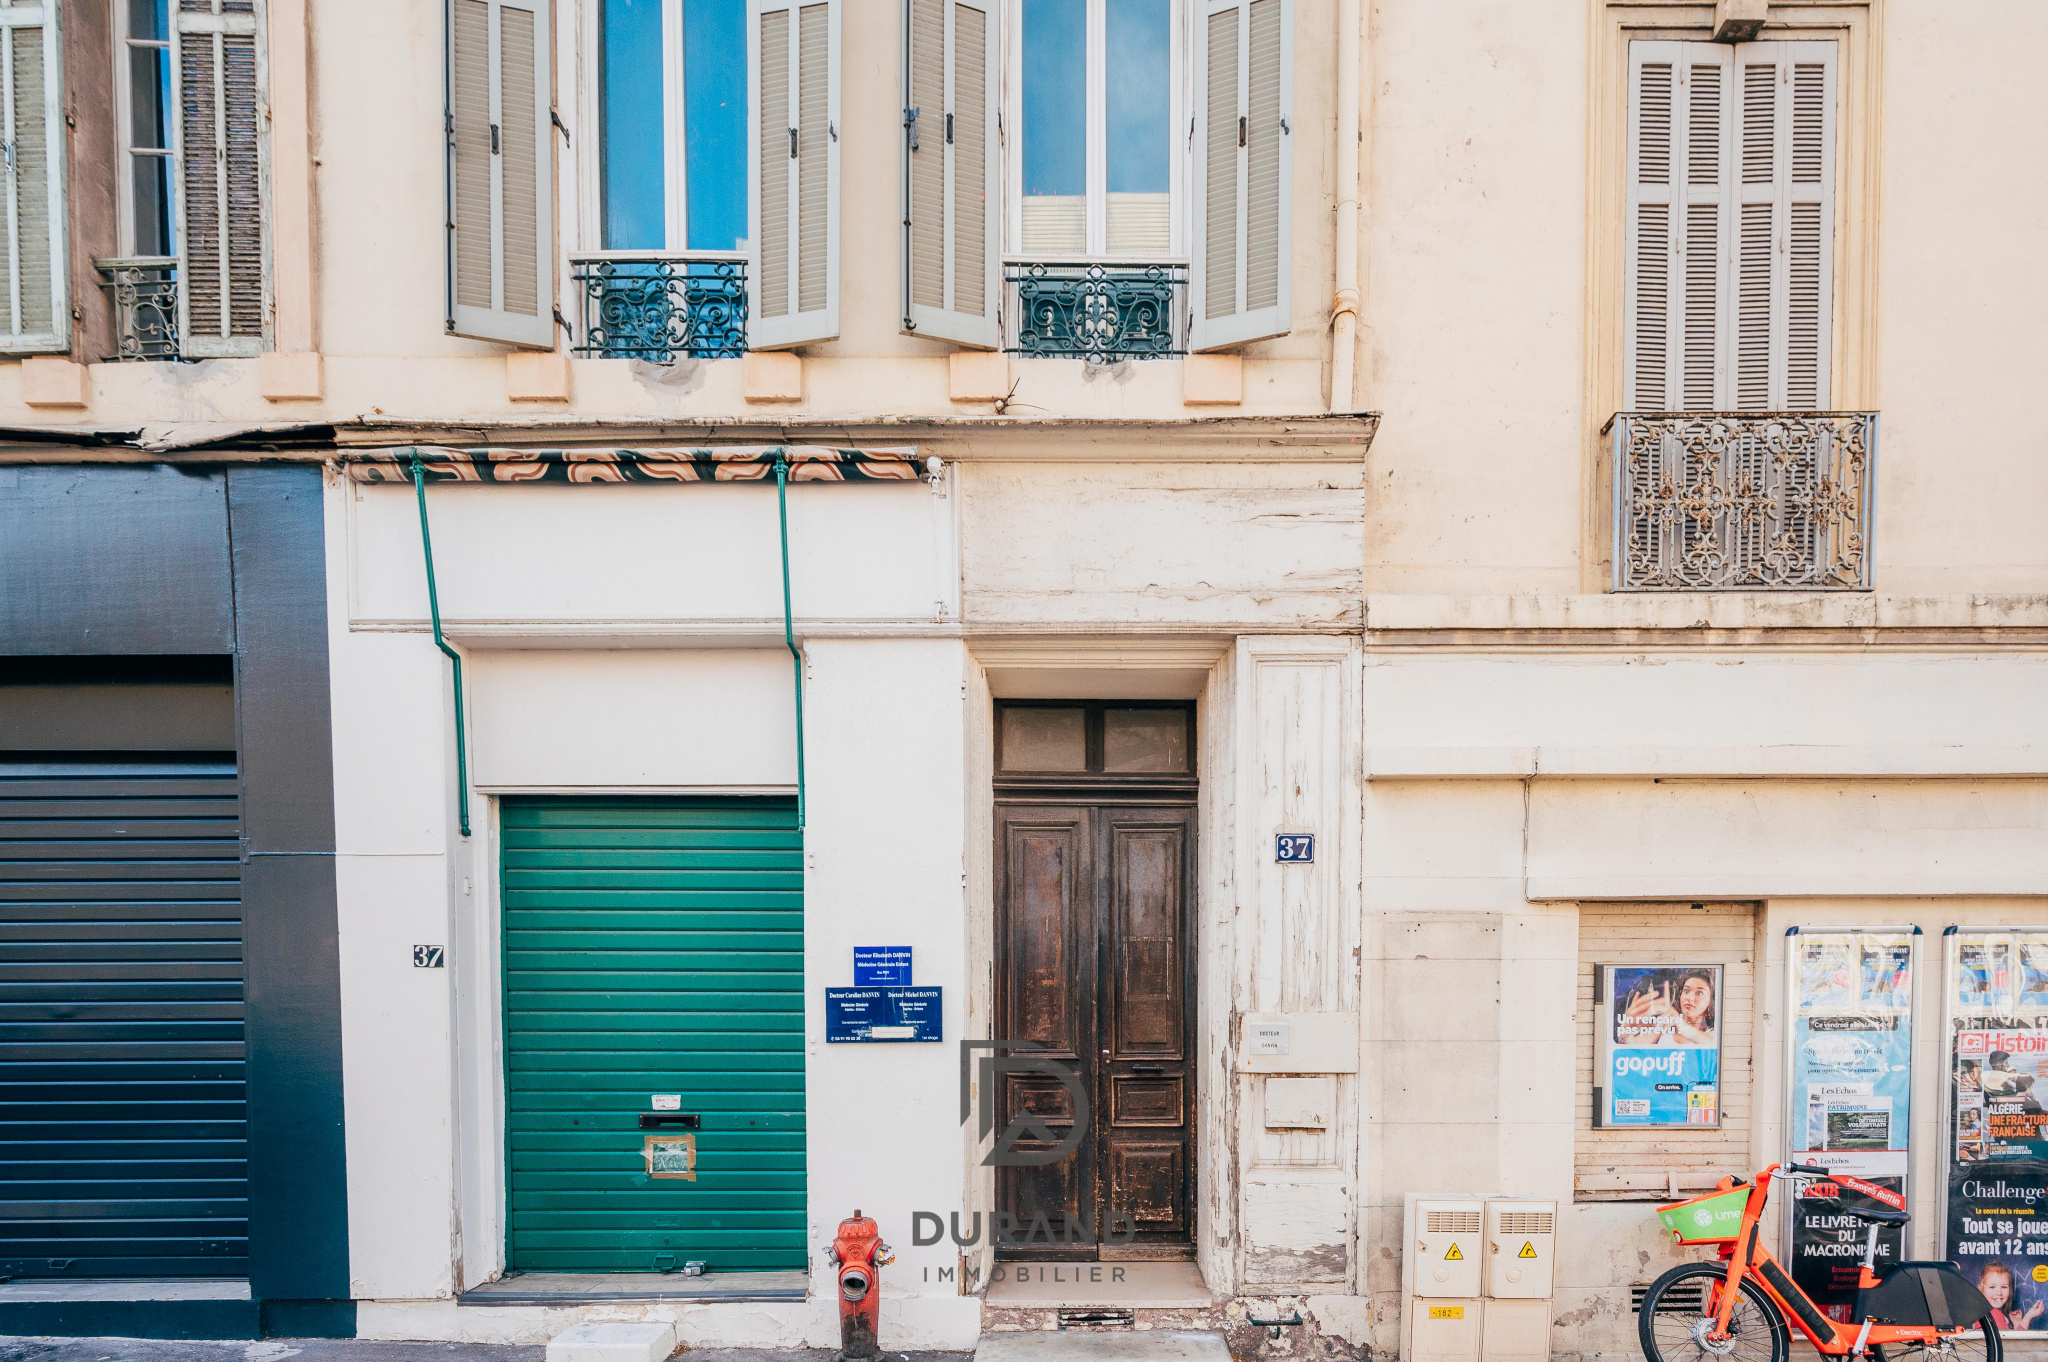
1852 1086
1997 1218
1660 1047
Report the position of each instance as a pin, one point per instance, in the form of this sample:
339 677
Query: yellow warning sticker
2041 1272
1528 1249
1454 1256
1447 1312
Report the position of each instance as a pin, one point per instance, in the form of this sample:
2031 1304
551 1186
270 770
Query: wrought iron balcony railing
1744 501
662 307
144 290
1103 312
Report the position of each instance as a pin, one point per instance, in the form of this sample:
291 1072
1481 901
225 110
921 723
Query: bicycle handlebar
1814 1169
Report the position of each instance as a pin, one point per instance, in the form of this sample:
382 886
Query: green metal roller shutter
123 1130
653 946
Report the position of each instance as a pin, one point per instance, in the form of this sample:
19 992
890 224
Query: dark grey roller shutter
123 1130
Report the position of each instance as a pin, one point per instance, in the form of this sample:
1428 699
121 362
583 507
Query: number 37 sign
1294 848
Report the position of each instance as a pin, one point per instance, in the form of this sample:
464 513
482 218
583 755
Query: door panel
1043 870
1095 963
653 946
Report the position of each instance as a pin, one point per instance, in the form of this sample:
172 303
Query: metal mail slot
688 1120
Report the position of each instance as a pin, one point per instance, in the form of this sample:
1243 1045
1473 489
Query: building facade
592 589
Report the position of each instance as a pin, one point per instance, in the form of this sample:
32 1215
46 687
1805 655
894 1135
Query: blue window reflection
715 122
1138 38
1055 99
635 151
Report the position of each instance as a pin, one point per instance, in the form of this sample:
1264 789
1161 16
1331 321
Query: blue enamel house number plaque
1294 848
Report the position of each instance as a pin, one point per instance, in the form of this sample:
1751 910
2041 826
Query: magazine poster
1660 1046
1852 1087
1997 1216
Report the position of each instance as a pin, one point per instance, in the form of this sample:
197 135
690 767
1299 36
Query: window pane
635 193
149 96
1139 135
154 234
1145 740
715 122
149 19
1055 100
1045 740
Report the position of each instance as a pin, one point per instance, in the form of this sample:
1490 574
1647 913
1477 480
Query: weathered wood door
1095 962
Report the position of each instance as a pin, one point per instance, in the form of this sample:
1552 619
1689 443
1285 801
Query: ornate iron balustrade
1744 501
662 307
144 290
1102 312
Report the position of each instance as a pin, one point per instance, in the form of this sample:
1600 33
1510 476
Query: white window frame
124 115
1178 122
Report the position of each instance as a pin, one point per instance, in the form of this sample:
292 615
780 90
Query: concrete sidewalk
360 1350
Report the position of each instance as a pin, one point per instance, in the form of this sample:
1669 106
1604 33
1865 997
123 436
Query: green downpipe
419 487
788 633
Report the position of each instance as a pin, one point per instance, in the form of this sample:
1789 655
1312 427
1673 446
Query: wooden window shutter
1784 271
220 136
1729 270
1679 164
501 250
1243 171
35 303
793 172
951 269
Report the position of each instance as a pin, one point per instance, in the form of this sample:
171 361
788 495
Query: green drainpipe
788 635
419 487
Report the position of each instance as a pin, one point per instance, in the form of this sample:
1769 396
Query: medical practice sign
1659 1051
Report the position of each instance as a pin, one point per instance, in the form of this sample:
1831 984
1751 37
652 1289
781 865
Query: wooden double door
1095 963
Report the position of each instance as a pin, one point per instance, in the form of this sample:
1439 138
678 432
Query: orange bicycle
1924 1312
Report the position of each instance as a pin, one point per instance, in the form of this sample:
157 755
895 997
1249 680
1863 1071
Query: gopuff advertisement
1660 1046
1997 1223
1852 1087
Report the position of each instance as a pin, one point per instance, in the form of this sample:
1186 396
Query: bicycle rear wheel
1981 1344
1678 1312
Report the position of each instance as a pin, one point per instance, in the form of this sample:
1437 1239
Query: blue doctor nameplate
883 1014
881 967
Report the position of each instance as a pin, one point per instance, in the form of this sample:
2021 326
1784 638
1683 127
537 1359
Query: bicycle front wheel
1679 1310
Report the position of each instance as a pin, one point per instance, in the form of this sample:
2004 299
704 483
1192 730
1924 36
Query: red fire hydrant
861 1255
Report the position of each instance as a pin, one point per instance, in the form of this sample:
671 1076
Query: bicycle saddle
1876 1216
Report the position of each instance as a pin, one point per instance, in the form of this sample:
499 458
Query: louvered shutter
1784 271
221 138
793 172
501 251
951 268
224 177
35 305
1244 170
1679 158
1729 269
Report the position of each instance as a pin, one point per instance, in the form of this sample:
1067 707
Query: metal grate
662 308
1451 1222
1097 1319
1679 1300
1102 312
1744 501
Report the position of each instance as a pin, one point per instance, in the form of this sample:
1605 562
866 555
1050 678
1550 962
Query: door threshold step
1090 1345
1152 1285
575 1288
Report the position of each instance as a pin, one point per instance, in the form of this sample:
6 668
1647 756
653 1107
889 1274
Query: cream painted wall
700 718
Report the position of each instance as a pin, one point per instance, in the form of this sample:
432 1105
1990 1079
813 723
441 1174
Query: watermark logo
983 1066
